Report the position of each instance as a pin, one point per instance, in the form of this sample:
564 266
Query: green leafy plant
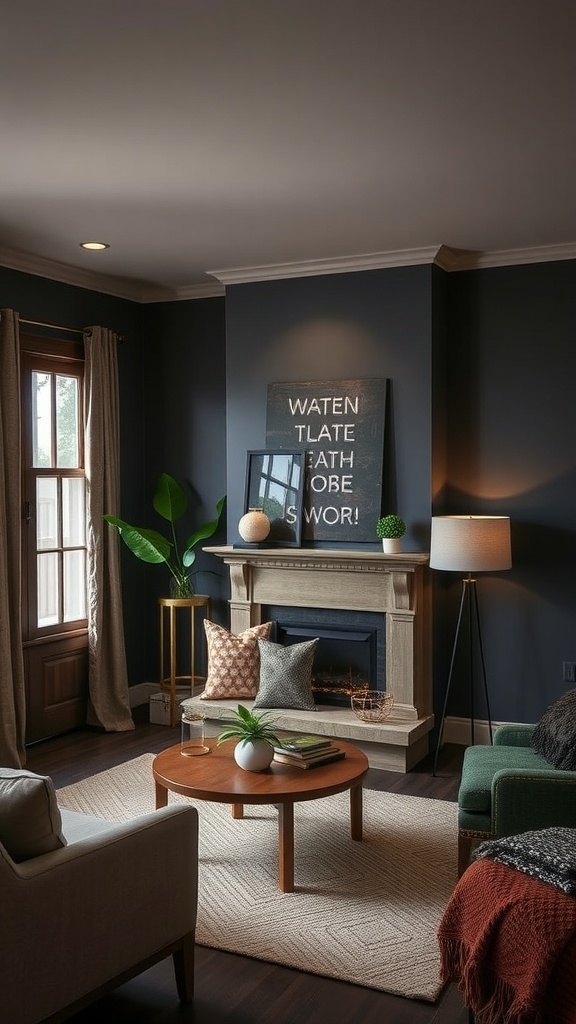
249 726
170 502
390 526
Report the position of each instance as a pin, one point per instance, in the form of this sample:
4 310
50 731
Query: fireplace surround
394 586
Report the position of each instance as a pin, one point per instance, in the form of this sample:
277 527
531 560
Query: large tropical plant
170 502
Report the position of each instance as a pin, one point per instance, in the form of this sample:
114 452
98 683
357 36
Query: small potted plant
391 529
256 739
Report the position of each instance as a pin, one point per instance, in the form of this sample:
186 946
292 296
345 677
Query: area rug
364 912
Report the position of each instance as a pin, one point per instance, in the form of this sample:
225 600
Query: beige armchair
87 904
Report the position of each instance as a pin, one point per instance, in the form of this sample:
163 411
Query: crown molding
121 287
461 259
335 265
443 256
209 290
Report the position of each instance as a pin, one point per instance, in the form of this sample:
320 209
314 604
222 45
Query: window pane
42 420
46 512
74 585
73 522
67 422
48 589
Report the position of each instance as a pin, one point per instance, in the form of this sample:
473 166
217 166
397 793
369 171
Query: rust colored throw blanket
508 941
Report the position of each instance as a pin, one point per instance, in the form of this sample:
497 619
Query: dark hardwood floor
232 989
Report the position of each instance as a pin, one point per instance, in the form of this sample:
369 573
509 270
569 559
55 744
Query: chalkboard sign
340 426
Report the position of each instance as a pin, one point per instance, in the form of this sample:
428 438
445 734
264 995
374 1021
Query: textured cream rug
364 912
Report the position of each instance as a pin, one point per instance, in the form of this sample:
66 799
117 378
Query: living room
478 349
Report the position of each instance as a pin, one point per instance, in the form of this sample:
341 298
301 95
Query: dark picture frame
275 484
340 424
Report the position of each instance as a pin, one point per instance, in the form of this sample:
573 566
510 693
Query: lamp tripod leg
447 694
482 662
470 584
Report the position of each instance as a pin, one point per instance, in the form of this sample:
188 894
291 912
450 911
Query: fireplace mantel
395 585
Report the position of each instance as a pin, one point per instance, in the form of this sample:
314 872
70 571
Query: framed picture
340 425
275 483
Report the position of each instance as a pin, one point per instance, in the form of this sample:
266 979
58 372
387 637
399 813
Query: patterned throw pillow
286 675
554 737
233 662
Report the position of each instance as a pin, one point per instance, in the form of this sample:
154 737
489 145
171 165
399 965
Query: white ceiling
201 135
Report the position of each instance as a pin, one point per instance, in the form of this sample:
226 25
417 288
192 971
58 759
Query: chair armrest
526 800
99 906
513 735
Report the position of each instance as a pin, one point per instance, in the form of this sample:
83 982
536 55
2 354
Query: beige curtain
109 704
12 693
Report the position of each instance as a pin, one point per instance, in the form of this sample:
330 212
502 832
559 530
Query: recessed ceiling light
94 245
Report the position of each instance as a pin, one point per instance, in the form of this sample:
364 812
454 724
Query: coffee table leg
237 810
356 812
161 795
286 846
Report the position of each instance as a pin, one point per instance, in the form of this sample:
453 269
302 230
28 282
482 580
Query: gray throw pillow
554 737
286 675
30 822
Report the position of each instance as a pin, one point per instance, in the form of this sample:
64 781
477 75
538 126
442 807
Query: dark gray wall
482 366
185 436
512 450
480 419
367 324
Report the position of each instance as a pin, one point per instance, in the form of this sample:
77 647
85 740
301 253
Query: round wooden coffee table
217 777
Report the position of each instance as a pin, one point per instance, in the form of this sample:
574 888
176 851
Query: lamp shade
470 543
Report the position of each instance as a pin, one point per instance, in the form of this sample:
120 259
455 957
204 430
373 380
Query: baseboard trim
457 730
141 693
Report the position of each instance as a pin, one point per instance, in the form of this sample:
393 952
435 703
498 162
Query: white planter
253 755
392 545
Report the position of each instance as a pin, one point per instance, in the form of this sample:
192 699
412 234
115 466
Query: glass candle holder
192 740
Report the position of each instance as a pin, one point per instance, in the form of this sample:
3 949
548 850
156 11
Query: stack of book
306 751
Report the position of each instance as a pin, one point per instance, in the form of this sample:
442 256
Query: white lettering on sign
334 406
330 515
330 432
329 460
339 424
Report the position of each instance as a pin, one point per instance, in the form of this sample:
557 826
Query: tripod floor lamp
469 544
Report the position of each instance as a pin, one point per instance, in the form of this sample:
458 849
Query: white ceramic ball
254 526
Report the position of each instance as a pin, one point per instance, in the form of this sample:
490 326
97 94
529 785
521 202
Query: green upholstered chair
508 788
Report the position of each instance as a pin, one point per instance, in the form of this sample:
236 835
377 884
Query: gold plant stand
169 676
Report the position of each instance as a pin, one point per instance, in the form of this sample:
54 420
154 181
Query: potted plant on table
391 529
170 502
256 739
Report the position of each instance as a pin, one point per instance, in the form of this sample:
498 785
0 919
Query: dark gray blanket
548 854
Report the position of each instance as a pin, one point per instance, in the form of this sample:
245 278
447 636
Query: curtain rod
52 327
57 327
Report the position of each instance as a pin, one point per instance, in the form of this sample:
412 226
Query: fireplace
350 653
342 587
393 587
